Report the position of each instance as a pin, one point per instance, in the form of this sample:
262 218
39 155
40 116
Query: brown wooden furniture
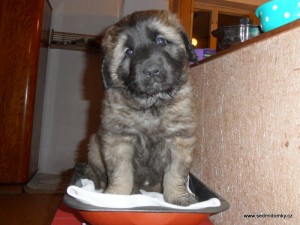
184 10
24 26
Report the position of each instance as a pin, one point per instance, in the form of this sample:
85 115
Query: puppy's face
146 54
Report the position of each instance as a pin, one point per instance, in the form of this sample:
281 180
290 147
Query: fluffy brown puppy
147 132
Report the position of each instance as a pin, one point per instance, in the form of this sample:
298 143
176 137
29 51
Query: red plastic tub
149 215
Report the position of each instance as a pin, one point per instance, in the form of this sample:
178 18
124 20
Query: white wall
73 85
132 5
84 16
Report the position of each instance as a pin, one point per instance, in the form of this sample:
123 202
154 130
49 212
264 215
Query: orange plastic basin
143 218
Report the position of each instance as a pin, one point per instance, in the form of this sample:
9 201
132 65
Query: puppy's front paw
183 200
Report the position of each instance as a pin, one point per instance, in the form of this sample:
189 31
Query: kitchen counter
248 140
260 38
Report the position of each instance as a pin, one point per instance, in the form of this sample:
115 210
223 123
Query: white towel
87 194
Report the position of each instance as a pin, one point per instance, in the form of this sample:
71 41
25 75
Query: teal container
276 13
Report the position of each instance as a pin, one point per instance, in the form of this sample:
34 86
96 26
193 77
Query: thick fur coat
147 132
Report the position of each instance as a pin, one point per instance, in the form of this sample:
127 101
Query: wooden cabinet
184 10
201 17
24 26
212 15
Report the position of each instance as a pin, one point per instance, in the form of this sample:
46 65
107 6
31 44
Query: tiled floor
41 204
28 209
35 203
39 209
67 216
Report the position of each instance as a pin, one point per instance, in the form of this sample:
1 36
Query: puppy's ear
106 78
191 55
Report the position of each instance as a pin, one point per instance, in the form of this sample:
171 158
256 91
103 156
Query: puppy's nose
152 70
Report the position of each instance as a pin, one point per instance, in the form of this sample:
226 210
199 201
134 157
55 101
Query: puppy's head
147 53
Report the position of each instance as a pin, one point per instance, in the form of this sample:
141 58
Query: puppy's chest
149 125
151 150
152 135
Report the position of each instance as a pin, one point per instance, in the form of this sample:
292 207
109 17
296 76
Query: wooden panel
184 10
20 30
247 5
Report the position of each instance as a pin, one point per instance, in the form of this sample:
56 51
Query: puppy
147 132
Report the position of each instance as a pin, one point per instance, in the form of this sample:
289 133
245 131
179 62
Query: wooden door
20 34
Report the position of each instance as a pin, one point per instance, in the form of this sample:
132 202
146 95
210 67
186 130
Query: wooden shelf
75 42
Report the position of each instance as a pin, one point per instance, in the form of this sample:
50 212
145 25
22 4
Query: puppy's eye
129 52
161 41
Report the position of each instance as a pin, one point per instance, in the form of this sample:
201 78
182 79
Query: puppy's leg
95 169
118 153
175 178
